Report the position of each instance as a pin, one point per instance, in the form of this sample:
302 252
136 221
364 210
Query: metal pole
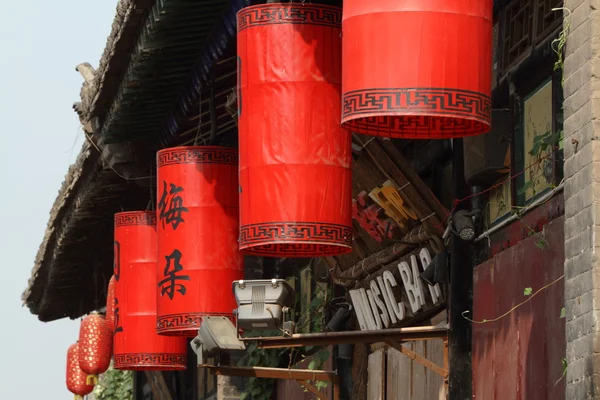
461 293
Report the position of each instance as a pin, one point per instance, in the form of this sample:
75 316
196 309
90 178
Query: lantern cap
92 380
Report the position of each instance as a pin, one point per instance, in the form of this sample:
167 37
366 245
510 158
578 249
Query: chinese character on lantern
117 261
118 327
171 205
170 284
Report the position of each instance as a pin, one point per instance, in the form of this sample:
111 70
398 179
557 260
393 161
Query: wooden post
461 293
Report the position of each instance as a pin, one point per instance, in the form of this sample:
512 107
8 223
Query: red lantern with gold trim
137 346
110 304
295 158
95 346
417 69
198 227
76 378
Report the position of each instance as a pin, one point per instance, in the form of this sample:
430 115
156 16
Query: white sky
41 42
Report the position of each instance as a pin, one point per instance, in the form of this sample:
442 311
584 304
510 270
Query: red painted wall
520 356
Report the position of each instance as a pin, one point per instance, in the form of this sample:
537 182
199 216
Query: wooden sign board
396 292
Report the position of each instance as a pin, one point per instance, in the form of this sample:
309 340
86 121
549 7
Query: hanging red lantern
417 69
198 228
95 346
137 346
110 304
76 378
295 158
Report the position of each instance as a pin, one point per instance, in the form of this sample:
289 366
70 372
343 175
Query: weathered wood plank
376 373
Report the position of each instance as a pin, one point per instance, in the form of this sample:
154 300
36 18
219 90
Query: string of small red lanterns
77 380
95 346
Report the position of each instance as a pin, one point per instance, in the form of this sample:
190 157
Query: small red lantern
198 228
110 304
76 378
137 346
295 158
417 68
95 346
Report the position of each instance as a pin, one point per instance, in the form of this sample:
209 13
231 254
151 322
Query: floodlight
462 224
262 303
437 270
216 335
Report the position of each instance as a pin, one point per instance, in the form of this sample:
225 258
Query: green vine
115 385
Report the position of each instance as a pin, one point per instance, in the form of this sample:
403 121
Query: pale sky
41 42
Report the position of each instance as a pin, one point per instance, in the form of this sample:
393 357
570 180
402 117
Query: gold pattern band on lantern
328 238
199 155
306 14
135 218
173 324
149 359
412 104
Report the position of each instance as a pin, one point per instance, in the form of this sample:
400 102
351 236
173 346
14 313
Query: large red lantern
198 228
110 304
417 68
295 158
76 378
137 346
95 346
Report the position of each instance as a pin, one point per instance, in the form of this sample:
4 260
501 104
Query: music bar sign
395 293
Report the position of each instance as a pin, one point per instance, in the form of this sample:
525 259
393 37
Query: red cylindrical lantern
198 228
95 346
137 346
295 158
76 378
417 68
110 304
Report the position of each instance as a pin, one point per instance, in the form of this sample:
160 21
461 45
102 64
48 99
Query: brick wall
582 175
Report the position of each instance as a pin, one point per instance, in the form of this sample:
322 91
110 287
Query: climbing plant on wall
115 385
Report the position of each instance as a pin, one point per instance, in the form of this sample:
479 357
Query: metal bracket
198 348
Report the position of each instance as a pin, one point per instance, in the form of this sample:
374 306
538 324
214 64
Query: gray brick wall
582 186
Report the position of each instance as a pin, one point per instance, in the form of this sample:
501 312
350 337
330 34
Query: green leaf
255 391
565 364
321 384
244 395
312 364
563 312
528 291
323 355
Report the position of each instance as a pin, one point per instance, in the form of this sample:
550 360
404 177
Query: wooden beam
336 388
312 389
418 358
160 390
419 200
421 187
273 373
